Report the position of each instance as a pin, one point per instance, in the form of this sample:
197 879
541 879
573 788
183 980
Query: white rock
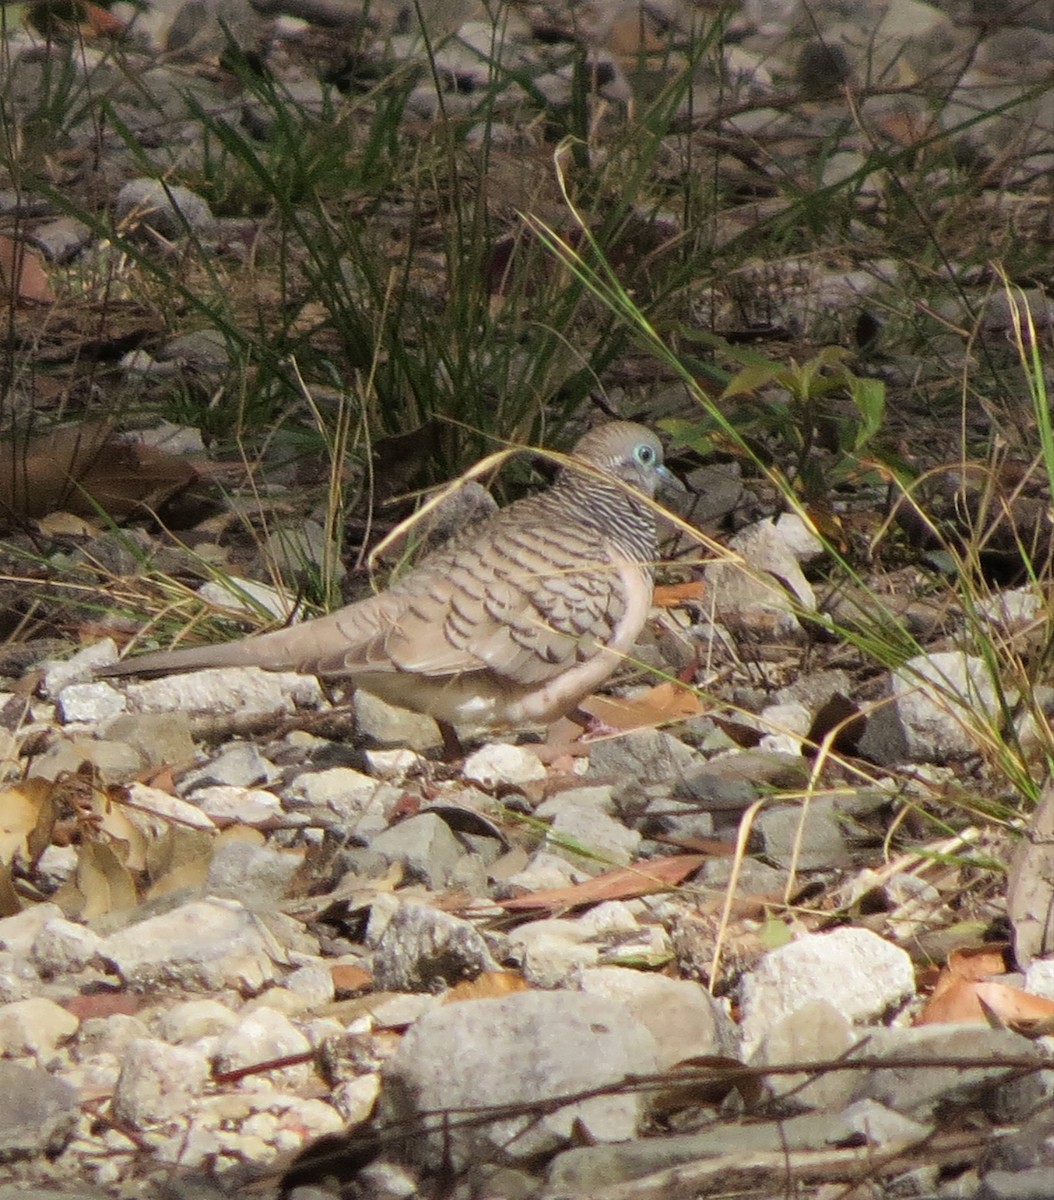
158 1082
78 667
250 596
259 1036
499 763
550 950
785 726
315 984
18 977
170 808
940 698
63 947
207 945
1039 978
195 1019
34 1027
682 1016
245 806
228 690
90 703
799 537
860 974
19 932
393 764
355 1098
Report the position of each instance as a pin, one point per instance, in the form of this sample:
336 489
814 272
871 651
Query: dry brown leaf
716 1076
27 817
104 1004
64 524
488 986
978 962
624 883
22 274
963 1001
103 881
663 704
674 595
179 858
9 901
348 979
80 469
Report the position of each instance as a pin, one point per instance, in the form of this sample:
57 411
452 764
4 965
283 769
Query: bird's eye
645 455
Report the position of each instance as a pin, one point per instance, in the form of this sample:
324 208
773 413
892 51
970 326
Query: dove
511 622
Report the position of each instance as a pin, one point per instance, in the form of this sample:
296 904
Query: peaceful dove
511 622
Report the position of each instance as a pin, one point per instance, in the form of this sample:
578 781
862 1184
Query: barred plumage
511 622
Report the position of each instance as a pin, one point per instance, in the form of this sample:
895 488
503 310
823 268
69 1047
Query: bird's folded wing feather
524 605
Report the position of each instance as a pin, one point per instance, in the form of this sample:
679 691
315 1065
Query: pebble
524 1047
858 972
169 209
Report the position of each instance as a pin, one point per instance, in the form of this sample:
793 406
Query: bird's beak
670 479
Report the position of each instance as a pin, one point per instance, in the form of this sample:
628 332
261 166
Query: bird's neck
612 510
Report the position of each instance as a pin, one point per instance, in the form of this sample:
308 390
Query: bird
511 622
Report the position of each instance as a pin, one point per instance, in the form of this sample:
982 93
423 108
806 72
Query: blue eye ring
645 455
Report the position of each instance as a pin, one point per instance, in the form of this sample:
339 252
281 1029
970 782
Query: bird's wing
523 603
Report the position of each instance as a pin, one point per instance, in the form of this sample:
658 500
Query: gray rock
238 765
716 491
1030 1184
207 945
160 739
113 761
417 948
256 876
64 947
171 210
204 351
425 846
591 840
860 974
292 549
644 754
815 1032
37 1112
523 1049
62 239
923 1093
586 1170
681 1015
808 836
108 1035
386 725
